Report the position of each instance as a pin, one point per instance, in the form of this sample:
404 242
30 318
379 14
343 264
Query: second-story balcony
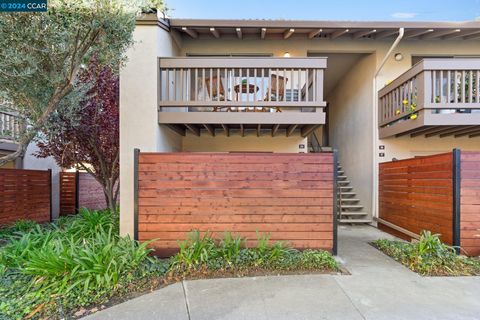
436 97
213 94
10 126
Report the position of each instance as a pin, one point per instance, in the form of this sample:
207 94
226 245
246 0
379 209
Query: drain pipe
375 123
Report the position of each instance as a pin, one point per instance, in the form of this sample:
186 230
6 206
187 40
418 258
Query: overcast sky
380 10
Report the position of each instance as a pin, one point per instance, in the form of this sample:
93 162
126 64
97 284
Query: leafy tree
85 134
41 53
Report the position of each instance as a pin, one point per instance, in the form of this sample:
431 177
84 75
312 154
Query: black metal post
136 154
456 199
335 200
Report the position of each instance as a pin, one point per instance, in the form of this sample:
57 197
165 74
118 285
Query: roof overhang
303 29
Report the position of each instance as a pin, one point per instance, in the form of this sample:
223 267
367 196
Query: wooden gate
439 193
288 196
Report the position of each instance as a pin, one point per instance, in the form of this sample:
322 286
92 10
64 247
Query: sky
378 10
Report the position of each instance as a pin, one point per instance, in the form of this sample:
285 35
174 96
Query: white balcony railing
10 126
241 84
433 86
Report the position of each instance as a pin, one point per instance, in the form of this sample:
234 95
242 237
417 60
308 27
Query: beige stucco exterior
249 143
353 128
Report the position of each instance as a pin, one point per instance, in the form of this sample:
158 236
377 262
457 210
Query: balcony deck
10 126
436 97
210 94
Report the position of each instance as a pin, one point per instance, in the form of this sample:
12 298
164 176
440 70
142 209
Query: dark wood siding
470 203
24 194
417 194
68 190
289 196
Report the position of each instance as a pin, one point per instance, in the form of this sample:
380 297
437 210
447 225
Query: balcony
10 126
436 97
239 94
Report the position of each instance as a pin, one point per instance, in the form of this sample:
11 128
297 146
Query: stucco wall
34 163
139 126
236 143
350 110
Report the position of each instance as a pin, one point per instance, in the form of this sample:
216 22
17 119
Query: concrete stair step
350 200
347 194
343 182
352 206
345 187
355 220
353 213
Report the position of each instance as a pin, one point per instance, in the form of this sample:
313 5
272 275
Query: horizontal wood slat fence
440 193
80 190
470 202
289 196
68 193
25 195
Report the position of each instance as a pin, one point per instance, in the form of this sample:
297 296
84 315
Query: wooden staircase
350 209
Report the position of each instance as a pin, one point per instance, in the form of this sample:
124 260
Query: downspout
375 123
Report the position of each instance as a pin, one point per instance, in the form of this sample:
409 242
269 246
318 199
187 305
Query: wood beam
472 37
193 128
359 34
314 33
459 129
239 33
210 128
275 129
263 33
467 132
461 34
259 127
176 128
307 129
438 34
474 135
385 34
291 128
226 128
288 33
436 130
215 32
338 33
192 33
417 33
418 131
242 130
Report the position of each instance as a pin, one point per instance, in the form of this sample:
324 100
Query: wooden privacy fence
289 196
25 195
80 190
440 193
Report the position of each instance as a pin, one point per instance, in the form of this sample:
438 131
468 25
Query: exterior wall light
398 57
286 55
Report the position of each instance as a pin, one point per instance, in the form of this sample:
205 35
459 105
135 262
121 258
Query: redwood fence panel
80 190
440 193
470 202
289 196
25 195
68 193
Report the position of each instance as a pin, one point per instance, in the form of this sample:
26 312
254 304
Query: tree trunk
109 191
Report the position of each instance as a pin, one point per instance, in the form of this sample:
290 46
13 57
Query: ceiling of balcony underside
244 129
443 132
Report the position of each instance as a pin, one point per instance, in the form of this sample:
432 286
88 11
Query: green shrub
200 253
70 263
429 256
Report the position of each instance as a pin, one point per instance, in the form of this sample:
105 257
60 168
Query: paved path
378 288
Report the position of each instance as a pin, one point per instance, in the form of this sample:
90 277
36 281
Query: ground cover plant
429 256
79 263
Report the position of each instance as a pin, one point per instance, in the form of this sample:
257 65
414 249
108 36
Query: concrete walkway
378 288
